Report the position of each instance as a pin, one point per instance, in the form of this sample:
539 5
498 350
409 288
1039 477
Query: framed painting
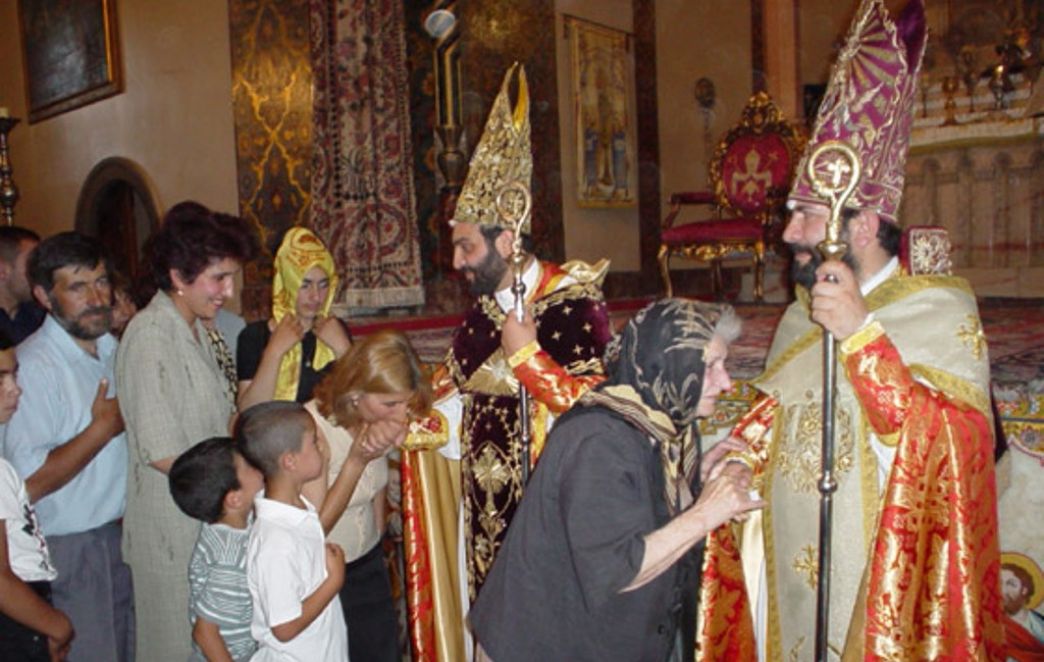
71 55
604 129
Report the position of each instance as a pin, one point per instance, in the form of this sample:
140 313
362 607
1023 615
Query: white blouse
356 531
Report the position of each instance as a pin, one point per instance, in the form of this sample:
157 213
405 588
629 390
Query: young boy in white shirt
293 573
213 483
30 628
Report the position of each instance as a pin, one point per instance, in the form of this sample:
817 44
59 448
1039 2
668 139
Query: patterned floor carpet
1014 331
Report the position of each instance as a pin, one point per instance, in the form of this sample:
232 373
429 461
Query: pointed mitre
869 105
503 155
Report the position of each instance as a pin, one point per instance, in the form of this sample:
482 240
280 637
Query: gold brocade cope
922 318
932 585
589 274
572 332
299 252
494 377
573 329
732 560
791 492
503 155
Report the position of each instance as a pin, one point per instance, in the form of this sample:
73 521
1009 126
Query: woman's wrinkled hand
711 464
727 496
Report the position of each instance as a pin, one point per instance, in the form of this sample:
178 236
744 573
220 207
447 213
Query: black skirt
369 610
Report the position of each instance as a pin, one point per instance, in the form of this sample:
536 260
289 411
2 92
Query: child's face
250 479
309 461
9 390
123 309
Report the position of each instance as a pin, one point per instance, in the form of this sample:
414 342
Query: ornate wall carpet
362 177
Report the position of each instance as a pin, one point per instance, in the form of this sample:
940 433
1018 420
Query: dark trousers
369 610
17 642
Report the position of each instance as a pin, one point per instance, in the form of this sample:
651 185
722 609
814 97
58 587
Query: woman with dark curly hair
174 393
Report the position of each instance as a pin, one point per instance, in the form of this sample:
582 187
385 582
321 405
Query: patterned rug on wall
362 170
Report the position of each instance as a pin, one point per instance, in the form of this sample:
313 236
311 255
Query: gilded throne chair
751 172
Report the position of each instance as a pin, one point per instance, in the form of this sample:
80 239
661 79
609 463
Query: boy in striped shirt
213 483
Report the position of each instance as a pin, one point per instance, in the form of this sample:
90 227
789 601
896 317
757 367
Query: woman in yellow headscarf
283 358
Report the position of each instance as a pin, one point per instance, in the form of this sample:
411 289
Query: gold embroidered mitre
503 155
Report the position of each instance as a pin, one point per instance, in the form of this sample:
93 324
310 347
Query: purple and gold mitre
869 105
503 155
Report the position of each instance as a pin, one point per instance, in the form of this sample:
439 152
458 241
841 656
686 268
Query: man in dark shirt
19 313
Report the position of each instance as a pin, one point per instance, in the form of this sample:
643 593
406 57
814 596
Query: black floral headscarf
655 380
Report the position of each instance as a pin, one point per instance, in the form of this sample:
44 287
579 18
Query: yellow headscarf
300 251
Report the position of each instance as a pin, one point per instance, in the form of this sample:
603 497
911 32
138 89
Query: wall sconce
705 94
706 98
443 27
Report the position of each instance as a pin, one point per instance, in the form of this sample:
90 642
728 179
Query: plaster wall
174 118
709 39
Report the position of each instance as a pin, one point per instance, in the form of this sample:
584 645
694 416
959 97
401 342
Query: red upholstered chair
751 172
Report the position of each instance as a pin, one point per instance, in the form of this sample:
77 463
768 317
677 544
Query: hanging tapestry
362 177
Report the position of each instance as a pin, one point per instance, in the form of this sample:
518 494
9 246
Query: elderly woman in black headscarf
603 557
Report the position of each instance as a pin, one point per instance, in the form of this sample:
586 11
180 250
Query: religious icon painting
71 54
602 98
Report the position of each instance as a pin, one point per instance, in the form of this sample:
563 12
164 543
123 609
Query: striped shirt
218 590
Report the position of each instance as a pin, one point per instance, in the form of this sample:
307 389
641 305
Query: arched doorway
116 206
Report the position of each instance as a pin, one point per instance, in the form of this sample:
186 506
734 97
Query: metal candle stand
8 190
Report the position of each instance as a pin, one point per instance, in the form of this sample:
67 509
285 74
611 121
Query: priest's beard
487 274
805 274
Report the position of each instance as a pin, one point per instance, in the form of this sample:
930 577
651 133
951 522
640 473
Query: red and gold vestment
915 568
